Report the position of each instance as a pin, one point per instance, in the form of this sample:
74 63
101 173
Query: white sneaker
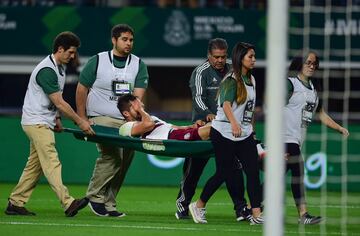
198 214
257 220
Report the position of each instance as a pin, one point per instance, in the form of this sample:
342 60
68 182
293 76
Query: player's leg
192 169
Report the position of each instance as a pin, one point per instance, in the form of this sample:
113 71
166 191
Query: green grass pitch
150 211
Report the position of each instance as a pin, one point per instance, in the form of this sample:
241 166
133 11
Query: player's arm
253 123
146 124
86 80
64 107
235 127
141 127
141 81
197 85
139 92
48 81
329 122
253 120
81 97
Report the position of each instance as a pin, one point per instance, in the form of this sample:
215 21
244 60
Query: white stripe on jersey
198 87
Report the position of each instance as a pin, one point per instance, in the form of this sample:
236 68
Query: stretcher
171 148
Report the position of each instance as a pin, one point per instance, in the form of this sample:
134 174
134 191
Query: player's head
305 63
125 103
217 53
66 40
122 38
65 46
117 30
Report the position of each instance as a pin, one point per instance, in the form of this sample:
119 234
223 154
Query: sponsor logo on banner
153 146
342 27
164 164
206 26
315 168
6 25
315 163
177 29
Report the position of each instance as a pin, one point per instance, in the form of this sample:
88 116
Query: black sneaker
182 215
98 208
15 210
116 214
308 219
76 206
244 214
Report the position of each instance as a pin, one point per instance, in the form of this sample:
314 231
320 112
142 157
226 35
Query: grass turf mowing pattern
150 211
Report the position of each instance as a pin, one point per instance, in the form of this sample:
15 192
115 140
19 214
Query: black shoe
308 219
15 210
182 215
76 206
98 208
116 214
243 214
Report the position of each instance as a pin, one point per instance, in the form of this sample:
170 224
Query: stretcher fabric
171 148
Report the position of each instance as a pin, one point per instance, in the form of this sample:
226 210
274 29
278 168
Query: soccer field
150 211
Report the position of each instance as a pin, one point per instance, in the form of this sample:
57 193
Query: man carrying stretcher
141 124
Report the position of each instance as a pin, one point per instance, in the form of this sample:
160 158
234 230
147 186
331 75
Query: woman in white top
302 103
232 136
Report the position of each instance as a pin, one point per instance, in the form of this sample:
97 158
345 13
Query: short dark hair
66 40
217 43
123 103
120 28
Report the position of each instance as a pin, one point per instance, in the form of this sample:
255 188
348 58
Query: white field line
17 223
348 206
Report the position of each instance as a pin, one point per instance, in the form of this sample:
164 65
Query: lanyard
56 65
113 66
